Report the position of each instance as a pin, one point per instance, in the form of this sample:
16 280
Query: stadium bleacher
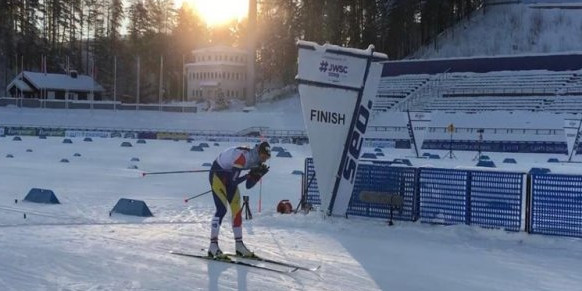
394 89
522 83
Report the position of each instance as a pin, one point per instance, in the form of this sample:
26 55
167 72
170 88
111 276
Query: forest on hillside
94 36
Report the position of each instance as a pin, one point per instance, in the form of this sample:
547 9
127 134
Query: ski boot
215 252
243 251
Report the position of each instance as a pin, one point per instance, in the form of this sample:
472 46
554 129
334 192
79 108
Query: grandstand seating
566 104
516 90
510 91
395 89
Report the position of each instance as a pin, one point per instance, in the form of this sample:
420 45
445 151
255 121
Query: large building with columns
217 71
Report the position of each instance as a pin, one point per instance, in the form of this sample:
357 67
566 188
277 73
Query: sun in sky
217 12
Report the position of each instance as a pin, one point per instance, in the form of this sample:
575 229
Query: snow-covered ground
512 29
77 246
283 114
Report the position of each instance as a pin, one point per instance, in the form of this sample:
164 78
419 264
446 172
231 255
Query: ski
275 262
234 262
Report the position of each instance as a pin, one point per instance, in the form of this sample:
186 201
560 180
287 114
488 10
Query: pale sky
218 11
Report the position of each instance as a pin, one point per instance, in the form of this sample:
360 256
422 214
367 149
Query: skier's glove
263 169
255 175
259 171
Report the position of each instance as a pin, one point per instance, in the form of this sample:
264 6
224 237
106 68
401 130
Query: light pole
252 52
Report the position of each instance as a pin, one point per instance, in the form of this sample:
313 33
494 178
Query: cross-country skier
225 175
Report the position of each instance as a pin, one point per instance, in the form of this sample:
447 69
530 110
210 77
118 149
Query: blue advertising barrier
443 196
310 183
498 146
555 62
485 198
556 205
373 177
497 199
382 178
440 196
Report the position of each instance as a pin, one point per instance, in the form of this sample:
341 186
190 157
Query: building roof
21 85
63 82
219 48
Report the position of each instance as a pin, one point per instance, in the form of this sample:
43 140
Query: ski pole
174 172
195 196
260 194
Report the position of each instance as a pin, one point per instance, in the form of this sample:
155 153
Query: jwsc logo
332 69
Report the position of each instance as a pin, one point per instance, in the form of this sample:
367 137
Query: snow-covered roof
219 48
61 81
332 47
21 85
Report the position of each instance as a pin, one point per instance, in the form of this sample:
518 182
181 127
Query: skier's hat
265 148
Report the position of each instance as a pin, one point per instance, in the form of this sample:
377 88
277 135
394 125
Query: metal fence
497 199
98 105
372 177
444 198
485 198
379 177
556 204
536 203
310 184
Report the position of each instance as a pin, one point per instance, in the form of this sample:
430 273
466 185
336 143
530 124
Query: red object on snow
284 207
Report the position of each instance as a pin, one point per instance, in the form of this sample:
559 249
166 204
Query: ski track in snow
77 246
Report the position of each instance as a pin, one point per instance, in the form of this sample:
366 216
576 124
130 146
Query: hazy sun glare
216 12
